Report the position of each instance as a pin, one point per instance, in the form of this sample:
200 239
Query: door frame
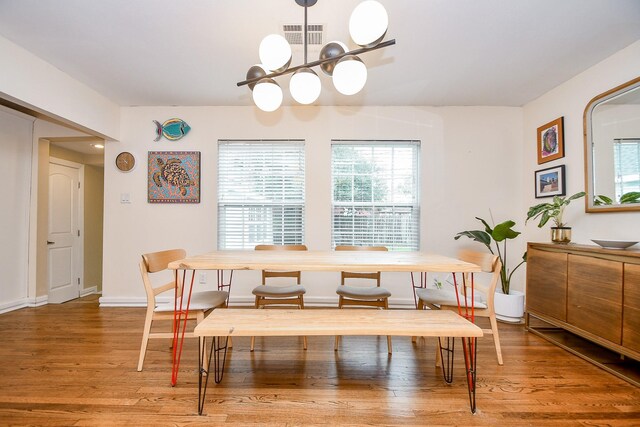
80 214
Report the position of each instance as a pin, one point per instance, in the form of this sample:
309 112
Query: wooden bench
224 323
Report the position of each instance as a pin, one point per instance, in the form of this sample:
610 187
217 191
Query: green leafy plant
553 210
498 236
630 197
601 200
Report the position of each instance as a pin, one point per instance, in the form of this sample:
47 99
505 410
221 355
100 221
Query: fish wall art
172 129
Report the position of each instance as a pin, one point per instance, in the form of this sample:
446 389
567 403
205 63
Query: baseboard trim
39 301
13 305
22 303
88 291
122 302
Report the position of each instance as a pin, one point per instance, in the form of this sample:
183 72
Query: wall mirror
612 149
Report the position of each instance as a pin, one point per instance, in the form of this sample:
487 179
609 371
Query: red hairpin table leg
180 316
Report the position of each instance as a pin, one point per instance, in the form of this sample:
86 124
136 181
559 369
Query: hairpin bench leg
218 349
446 357
470 348
470 351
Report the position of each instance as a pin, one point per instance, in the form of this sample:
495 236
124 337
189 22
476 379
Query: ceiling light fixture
367 27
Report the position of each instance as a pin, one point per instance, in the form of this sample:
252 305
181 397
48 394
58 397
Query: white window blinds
375 194
260 193
626 160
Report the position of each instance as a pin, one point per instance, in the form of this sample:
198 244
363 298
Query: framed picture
174 177
551 141
550 182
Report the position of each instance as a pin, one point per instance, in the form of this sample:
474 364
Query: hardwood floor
75 364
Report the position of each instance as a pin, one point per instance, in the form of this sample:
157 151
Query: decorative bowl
614 244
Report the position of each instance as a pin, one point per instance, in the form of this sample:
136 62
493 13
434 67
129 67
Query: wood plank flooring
75 365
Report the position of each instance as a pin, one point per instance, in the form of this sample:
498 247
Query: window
260 193
375 194
626 153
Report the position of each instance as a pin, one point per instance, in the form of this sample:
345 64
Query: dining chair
200 303
369 296
445 299
278 294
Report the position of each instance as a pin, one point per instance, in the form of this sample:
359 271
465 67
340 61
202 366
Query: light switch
125 198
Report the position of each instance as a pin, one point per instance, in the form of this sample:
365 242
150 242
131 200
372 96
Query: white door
63 239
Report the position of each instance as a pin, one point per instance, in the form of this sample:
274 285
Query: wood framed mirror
612 149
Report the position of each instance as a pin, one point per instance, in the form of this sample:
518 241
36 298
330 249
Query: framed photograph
551 141
550 182
174 177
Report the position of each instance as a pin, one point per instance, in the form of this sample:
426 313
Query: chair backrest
155 262
488 263
268 273
349 275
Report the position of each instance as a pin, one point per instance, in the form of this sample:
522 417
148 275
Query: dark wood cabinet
594 296
589 291
631 308
547 283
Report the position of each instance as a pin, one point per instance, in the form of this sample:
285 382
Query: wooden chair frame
489 263
263 301
382 303
153 263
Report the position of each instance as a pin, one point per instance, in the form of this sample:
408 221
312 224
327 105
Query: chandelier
367 27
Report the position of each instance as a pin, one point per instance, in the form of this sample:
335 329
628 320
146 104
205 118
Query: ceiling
448 52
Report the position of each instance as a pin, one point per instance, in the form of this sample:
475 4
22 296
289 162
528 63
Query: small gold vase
561 234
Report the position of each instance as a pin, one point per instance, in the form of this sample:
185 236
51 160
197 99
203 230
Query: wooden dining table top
355 261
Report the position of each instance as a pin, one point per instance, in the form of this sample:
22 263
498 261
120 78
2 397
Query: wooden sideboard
592 293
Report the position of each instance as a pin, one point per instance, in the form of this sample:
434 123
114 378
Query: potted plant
561 233
509 304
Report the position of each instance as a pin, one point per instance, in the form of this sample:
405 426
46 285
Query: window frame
224 202
413 205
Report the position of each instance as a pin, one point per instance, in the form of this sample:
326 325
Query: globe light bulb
305 86
349 75
368 23
267 95
275 52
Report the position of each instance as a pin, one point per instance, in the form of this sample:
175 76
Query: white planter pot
509 308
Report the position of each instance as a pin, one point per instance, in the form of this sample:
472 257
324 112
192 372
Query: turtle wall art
174 177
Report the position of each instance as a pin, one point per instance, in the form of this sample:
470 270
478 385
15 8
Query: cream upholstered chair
200 301
278 294
370 296
446 299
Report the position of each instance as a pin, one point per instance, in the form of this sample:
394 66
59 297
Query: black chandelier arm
318 62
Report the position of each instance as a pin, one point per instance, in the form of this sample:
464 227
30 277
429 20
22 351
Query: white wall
469 157
569 100
15 152
38 85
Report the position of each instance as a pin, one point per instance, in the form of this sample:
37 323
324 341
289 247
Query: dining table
411 262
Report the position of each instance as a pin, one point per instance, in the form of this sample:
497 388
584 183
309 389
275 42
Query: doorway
65 227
